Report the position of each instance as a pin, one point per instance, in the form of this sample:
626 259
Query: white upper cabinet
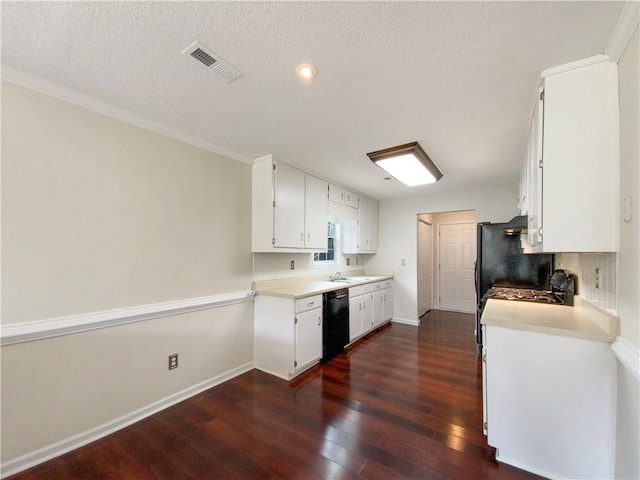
289 208
342 197
573 159
361 236
316 213
368 224
522 195
350 199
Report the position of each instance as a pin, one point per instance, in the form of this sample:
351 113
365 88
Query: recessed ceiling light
306 71
407 163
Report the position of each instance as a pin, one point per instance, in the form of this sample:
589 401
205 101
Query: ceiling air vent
213 62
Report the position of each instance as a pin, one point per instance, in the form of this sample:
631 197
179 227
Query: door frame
431 292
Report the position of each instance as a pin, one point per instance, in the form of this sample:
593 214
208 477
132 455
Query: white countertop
583 320
299 287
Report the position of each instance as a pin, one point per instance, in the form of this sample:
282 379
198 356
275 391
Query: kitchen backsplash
270 266
599 287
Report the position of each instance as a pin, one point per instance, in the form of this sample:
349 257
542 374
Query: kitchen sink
352 279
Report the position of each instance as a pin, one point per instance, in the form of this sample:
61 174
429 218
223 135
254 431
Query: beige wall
96 215
628 429
397 236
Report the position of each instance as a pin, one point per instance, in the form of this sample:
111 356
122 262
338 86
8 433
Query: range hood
516 225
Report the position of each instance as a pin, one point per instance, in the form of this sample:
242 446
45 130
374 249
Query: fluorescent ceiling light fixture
408 164
306 71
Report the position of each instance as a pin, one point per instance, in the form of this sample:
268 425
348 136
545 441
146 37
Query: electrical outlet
597 278
348 261
403 262
173 361
293 264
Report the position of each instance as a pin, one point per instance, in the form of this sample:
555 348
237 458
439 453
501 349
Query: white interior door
425 256
457 247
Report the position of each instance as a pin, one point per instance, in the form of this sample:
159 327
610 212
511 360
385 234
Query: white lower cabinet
382 302
549 402
287 334
370 306
360 312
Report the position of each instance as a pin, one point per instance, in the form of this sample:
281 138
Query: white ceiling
459 77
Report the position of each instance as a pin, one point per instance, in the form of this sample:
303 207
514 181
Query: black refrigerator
501 263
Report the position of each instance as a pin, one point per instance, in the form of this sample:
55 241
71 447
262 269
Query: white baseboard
51 451
628 355
406 321
527 468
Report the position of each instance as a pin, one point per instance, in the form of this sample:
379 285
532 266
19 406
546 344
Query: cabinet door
308 337
581 157
316 213
522 191
350 199
378 307
373 225
388 303
336 194
367 224
534 173
289 197
355 317
367 312
484 385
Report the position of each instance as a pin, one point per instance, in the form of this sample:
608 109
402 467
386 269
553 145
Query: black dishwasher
335 328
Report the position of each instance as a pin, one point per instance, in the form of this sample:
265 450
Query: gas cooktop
522 294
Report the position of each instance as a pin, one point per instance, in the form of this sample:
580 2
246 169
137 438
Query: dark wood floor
405 402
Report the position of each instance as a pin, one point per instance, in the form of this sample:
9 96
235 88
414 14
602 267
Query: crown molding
52 89
622 32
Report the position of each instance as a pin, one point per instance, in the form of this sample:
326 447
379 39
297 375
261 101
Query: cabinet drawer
308 303
377 286
357 291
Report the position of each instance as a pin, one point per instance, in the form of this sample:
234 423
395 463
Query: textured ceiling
459 77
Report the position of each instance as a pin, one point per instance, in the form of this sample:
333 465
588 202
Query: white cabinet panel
289 213
355 317
336 194
361 236
308 345
287 334
550 402
573 160
289 209
382 302
316 213
350 199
